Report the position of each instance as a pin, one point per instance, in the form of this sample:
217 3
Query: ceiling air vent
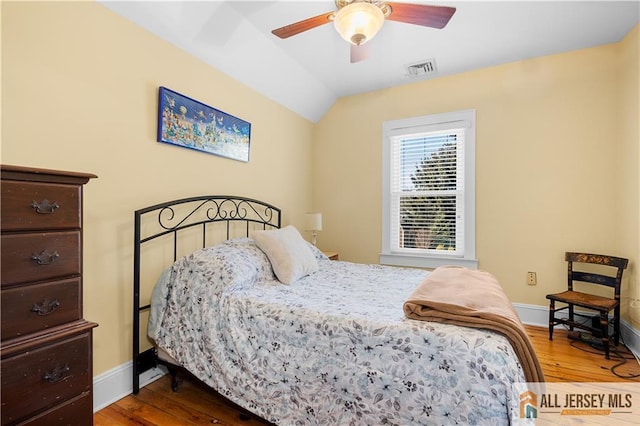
422 68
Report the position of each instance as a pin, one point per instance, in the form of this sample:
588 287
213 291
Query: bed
331 346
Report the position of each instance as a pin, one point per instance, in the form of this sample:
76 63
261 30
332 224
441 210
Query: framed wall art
191 124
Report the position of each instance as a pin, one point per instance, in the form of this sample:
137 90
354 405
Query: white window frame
428 123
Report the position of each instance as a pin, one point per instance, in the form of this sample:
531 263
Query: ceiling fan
358 21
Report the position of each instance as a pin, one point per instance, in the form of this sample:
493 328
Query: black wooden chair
603 305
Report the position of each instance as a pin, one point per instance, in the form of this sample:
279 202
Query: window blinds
427 192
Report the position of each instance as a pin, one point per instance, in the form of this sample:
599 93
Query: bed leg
174 378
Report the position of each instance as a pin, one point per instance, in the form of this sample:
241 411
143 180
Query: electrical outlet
531 278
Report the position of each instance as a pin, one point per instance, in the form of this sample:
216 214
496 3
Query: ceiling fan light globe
358 22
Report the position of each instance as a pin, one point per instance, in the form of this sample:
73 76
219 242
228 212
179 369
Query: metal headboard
173 217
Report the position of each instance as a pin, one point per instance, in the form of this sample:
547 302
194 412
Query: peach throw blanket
473 298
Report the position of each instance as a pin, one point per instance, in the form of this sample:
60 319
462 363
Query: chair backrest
613 281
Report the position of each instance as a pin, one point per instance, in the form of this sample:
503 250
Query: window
428 212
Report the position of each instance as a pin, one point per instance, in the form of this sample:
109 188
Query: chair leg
616 326
552 309
604 329
571 318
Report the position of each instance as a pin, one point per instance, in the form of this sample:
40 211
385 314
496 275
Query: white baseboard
116 383
533 314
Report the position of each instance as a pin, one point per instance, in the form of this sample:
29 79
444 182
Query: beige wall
80 93
553 171
628 178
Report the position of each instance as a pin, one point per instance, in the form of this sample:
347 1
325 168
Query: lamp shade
313 222
358 22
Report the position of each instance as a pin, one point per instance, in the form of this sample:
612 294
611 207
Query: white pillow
289 254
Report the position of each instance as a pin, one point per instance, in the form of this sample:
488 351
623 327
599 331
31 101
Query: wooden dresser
46 345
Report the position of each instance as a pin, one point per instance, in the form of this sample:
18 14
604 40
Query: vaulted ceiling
309 71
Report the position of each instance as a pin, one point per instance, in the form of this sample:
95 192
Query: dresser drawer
31 308
33 257
45 377
35 205
78 411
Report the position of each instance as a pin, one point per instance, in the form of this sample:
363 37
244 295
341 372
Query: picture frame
189 123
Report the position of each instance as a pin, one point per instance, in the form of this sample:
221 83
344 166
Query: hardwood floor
565 360
562 360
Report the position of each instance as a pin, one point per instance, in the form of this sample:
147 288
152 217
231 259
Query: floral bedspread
333 348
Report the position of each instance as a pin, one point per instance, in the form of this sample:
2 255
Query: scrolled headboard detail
215 209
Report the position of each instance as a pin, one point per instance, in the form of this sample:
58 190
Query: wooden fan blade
419 14
301 26
359 53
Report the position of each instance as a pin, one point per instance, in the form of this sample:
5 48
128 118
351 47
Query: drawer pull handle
46 307
45 258
58 374
45 206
